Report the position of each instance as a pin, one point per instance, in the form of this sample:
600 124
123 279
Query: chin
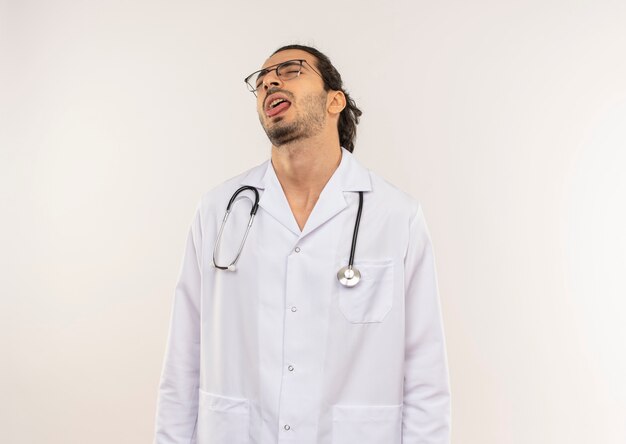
283 136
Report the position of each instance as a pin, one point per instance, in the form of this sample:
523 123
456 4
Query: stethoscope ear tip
232 267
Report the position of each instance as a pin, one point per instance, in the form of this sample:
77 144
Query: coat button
297 249
294 309
290 368
286 427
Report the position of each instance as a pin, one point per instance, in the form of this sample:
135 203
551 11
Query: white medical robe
279 351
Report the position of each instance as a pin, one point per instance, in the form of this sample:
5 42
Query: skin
308 152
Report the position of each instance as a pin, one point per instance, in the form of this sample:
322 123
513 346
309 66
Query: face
303 110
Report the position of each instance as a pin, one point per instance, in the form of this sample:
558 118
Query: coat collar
350 176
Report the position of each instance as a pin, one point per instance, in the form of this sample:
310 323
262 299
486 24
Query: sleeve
177 404
426 412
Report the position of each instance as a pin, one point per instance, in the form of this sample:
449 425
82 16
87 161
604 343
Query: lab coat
279 351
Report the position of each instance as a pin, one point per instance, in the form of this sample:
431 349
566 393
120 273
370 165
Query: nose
271 79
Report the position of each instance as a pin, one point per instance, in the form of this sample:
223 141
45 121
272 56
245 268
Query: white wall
507 119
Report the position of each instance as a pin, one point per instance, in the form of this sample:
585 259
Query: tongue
278 109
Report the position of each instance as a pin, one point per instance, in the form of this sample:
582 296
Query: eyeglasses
285 71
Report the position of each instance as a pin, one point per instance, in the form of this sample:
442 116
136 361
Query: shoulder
228 187
389 197
214 201
404 213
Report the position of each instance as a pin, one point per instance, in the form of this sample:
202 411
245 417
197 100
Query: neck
303 168
306 164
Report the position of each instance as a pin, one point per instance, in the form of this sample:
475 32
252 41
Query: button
290 368
294 309
286 427
297 250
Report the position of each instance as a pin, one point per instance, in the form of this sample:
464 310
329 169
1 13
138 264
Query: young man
327 327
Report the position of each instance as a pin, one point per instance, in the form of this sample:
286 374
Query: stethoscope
348 276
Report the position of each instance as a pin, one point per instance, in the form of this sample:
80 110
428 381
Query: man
284 343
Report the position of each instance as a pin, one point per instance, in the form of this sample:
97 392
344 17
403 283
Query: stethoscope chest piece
349 276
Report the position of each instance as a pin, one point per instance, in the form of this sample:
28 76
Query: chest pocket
372 298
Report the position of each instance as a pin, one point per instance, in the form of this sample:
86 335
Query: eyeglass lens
286 71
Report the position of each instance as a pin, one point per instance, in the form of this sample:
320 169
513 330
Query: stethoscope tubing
355 232
348 276
255 207
233 265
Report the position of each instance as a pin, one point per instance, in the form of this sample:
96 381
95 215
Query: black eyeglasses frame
253 89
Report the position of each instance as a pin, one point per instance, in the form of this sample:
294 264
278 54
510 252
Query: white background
506 119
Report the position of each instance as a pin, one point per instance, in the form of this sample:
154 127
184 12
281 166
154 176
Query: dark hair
349 117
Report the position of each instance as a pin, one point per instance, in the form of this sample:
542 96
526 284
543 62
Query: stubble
310 122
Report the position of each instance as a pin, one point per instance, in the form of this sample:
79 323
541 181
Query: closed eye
259 78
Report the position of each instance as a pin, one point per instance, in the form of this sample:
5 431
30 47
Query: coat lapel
272 200
349 176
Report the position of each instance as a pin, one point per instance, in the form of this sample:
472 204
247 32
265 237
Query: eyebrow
265 70
262 72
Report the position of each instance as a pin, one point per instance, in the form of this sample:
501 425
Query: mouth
276 104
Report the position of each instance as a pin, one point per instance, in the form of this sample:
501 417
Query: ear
336 102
